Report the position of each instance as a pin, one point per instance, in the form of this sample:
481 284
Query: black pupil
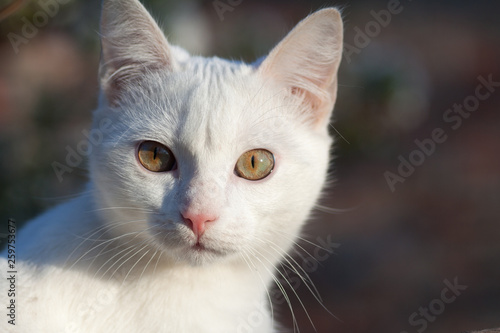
154 153
253 161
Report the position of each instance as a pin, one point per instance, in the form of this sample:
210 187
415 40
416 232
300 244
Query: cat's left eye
255 164
156 157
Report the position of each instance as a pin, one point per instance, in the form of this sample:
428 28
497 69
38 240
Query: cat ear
306 61
132 44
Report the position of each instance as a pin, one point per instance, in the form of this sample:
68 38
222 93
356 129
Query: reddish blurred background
393 249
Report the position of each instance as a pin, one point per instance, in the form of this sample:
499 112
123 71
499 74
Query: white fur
119 258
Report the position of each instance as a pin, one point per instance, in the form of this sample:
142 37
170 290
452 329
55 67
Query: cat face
208 159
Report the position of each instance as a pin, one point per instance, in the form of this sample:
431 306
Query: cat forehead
208 103
223 109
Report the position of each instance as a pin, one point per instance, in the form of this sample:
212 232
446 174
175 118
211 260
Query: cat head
206 159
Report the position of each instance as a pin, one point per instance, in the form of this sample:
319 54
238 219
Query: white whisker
335 210
147 264
243 255
281 288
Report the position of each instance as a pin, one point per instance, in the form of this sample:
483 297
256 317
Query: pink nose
197 222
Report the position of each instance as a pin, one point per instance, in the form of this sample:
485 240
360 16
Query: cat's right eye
255 164
156 157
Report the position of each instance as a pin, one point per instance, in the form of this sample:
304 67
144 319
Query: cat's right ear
306 61
132 45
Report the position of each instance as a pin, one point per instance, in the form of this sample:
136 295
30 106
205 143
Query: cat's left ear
132 45
306 61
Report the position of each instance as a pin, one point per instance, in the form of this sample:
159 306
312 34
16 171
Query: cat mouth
199 247
187 246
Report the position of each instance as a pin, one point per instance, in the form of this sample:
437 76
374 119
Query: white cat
206 172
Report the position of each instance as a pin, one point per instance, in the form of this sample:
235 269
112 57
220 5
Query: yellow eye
155 157
255 164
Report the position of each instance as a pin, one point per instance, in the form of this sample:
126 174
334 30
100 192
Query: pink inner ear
306 62
296 91
312 101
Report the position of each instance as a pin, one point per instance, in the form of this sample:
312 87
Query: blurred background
404 229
